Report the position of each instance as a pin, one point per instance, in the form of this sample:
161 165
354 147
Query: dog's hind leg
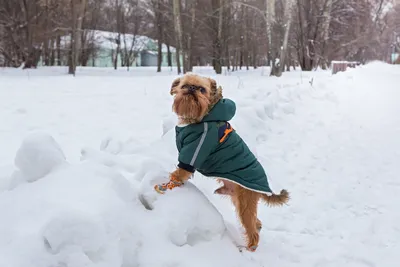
246 203
227 188
259 225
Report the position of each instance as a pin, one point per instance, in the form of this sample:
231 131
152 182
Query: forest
235 34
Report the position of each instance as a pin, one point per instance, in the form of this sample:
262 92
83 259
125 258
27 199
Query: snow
38 155
80 155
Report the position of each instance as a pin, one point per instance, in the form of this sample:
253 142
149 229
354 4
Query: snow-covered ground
79 157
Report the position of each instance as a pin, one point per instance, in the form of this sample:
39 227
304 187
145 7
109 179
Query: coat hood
223 110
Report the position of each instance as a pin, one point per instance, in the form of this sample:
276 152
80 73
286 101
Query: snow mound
194 218
331 140
89 214
79 215
168 123
38 155
71 231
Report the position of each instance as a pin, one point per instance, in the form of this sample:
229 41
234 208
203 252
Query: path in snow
341 158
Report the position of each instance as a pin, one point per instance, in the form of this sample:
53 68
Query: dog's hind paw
251 249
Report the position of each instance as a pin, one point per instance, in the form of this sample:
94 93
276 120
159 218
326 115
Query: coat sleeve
197 146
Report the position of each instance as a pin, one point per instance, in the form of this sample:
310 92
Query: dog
207 143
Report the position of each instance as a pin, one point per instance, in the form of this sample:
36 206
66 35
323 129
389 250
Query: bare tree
270 19
78 12
133 24
288 19
119 30
191 4
221 33
325 31
178 33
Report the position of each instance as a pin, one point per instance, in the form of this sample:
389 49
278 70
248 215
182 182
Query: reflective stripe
248 188
196 153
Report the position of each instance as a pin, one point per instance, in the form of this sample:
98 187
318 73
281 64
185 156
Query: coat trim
196 153
254 190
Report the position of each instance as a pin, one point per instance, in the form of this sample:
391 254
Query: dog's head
194 96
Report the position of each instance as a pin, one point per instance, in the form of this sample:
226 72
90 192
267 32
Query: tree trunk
117 50
218 43
159 24
269 19
52 54
304 54
288 19
189 61
234 66
246 41
227 56
46 52
119 30
78 11
178 32
58 44
300 52
159 55
169 56
71 53
254 55
288 63
81 14
29 50
84 55
325 32
254 45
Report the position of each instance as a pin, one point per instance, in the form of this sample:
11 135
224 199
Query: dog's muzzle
193 88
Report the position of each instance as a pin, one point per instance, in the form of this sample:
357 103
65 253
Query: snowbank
38 155
80 193
88 214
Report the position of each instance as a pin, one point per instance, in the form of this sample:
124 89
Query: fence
338 66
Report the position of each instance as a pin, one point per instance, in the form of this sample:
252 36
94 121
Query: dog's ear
175 83
213 86
216 93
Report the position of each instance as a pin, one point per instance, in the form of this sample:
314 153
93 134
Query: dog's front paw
161 188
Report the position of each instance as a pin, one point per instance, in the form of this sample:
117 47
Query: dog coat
213 148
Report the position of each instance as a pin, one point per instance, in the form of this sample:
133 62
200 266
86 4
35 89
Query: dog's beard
191 107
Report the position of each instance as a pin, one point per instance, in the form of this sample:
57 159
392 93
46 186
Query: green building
101 46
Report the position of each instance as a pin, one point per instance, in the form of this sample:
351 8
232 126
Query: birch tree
160 31
78 11
288 19
269 19
189 49
178 33
325 31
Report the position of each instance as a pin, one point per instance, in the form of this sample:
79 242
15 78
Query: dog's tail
277 199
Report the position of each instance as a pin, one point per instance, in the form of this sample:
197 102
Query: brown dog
207 143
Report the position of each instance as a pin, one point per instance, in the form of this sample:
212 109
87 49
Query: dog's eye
202 90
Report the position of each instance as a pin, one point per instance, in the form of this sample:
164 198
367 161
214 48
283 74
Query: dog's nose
192 89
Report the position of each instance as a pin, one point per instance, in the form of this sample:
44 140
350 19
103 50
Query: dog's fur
191 108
